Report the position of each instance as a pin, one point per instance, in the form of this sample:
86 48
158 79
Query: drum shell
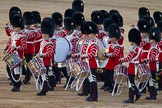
12 60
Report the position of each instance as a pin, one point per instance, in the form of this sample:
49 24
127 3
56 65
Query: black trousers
93 84
109 78
131 79
28 73
152 88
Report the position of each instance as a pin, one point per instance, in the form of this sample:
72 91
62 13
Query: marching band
80 47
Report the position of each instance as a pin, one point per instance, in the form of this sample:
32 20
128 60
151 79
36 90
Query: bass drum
62 49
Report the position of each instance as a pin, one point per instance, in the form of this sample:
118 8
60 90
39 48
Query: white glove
41 55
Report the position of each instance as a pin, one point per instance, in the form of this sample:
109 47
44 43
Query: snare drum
36 66
69 65
81 68
120 72
12 60
143 71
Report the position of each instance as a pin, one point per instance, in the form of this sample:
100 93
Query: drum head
62 49
120 73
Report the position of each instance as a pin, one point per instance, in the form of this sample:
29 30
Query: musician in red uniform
154 37
70 26
36 26
106 42
88 54
134 38
59 32
9 28
31 34
144 27
13 10
159 25
97 17
82 50
16 43
114 54
46 52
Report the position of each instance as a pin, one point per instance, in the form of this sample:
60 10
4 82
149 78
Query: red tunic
160 51
31 35
38 39
133 59
145 45
53 40
91 53
17 40
47 50
152 57
116 52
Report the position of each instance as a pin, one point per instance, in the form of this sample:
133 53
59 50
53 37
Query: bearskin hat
134 36
105 14
143 26
78 18
17 21
90 28
150 20
36 17
107 23
159 25
78 5
143 11
69 24
118 19
12 14
68 13
154 34
97 17
157 16
114 31
15 8
28 18
47 26
113 11
57 17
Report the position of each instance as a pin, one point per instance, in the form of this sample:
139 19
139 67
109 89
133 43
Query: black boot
137 93
16 85
93 92
27 77
85 88
50 83
153 94
131 97
15 89
44 89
